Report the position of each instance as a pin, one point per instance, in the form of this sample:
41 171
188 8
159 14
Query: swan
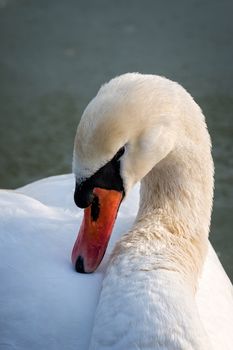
164 287
160 284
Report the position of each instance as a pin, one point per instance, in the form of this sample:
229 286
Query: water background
55 54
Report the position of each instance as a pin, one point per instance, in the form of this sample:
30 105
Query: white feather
164 287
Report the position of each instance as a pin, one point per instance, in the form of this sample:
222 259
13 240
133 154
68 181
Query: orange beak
96 229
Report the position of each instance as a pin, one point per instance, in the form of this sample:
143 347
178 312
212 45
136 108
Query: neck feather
140 308
175 207
148 295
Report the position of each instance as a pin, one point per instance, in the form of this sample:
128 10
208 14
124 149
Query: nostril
95 209
83 196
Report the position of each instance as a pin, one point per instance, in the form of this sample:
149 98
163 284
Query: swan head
123 133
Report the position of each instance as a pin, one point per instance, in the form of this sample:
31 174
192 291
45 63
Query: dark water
54 55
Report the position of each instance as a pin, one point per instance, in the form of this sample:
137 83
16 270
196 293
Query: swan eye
119 153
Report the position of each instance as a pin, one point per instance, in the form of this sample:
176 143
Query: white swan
157 294
145 127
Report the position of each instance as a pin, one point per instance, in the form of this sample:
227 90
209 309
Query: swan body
148 299
44 303
163 286
39 291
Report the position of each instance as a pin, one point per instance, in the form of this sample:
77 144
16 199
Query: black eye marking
119 153
107 177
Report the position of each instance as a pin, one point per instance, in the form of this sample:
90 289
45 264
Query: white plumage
44 303
164 287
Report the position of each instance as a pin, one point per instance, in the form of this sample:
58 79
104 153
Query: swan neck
175 210
181 187
146 309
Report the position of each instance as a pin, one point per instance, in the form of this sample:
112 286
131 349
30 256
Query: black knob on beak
83 195
108 177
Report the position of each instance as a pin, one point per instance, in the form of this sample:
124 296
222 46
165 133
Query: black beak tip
79 266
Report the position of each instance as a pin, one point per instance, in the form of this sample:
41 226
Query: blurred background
55 54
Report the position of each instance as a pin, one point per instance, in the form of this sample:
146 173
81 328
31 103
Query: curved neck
176 199
148 295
